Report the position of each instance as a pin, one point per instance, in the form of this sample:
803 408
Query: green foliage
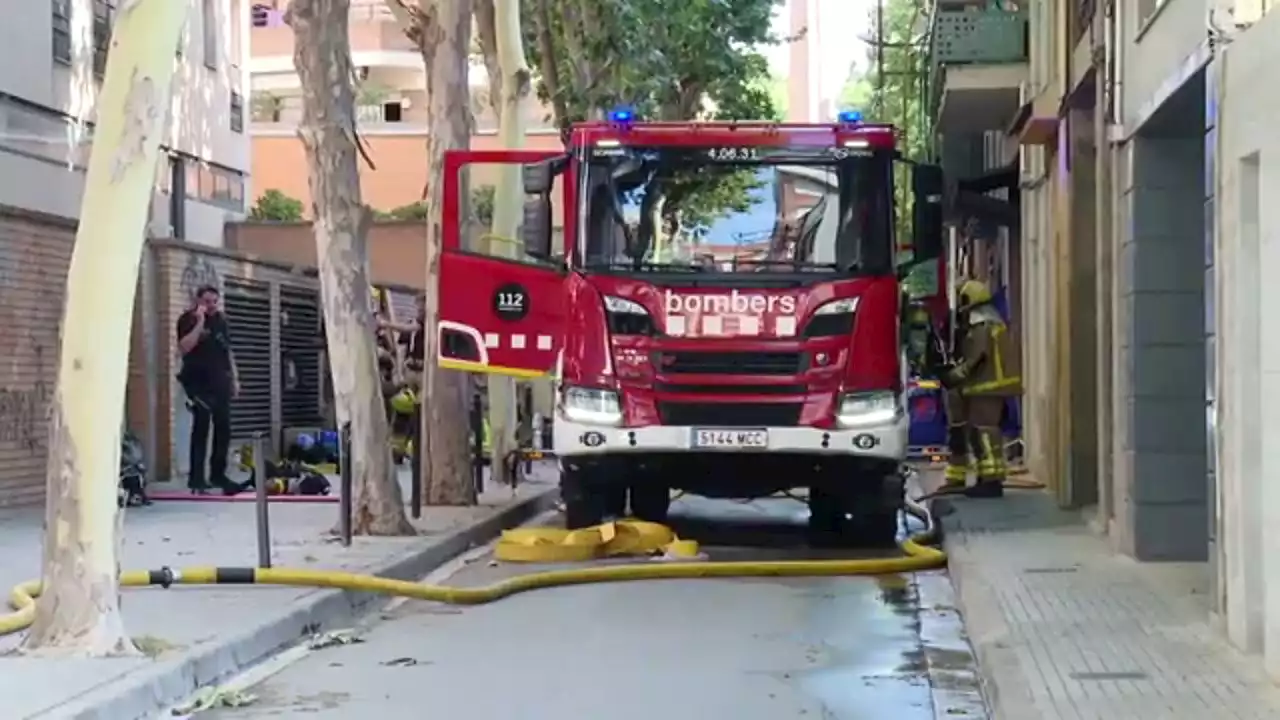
700 197
898 94
697 59
481 205
412 211
275 206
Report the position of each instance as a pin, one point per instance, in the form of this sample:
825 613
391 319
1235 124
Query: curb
999 670
143 694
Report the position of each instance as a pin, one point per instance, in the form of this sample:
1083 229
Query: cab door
497 314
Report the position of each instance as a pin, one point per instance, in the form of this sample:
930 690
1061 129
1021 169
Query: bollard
344 484
260 481
527 428
415 467
477 442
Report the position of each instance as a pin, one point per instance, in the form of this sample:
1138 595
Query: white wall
1161 55
1248 355
56 93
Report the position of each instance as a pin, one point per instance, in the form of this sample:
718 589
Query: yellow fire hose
624 538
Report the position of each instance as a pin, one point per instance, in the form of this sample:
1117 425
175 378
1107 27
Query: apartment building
391 108
1145 132
51 58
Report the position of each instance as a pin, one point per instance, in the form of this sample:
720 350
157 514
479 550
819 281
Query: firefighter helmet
974 293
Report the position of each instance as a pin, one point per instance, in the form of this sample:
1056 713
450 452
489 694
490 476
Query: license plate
730 438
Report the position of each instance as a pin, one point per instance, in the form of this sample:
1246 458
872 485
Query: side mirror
535 231
540 177
928 186
537 178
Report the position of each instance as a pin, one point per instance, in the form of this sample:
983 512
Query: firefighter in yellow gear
979 384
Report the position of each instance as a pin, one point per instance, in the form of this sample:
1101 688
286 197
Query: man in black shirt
210 380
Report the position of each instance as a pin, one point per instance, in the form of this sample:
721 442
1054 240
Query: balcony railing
984 32
974 32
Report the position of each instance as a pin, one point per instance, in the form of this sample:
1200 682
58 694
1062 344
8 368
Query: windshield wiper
643 267
797 264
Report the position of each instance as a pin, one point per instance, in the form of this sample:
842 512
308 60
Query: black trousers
210 410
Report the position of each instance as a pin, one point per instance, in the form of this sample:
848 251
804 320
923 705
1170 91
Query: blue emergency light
622 115
849 117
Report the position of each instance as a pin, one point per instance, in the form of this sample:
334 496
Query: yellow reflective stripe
996 357
992 385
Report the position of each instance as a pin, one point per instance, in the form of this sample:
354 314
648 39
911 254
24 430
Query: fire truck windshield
752 209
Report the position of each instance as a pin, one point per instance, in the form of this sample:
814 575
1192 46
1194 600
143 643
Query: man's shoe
228 487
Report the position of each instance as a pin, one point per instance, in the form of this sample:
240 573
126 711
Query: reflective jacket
987 366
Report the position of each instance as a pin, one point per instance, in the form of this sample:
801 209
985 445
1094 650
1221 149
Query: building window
237 112
62 31
209 21
214 185
104 15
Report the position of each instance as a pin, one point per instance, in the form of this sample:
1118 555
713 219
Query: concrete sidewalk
1064 628
200 635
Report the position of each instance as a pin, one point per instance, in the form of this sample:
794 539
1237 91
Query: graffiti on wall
199 272
23 417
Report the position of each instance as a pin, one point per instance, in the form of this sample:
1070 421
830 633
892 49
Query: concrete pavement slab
1065 629
200 635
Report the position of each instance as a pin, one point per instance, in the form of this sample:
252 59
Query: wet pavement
756 649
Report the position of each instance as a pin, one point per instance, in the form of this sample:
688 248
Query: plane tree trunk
78 612
442 31
322 57
510 82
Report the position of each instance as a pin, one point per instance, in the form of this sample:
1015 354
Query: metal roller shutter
301 345
404 306
248 306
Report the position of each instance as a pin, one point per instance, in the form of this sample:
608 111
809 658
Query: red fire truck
722 316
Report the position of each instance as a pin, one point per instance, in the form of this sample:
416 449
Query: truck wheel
650 500
614 497
584 502
876 529
876 512
827 522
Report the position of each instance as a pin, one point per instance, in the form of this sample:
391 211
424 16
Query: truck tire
827 523
584 501
615 500
650 501
876 528
876 511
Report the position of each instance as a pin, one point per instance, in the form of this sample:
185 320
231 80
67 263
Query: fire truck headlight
591 406
867 409
843 306
627 317
623 306
832 319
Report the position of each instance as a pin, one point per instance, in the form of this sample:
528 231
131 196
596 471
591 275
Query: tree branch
486 34
550 69
411 18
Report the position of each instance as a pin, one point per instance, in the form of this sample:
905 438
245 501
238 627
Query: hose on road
538 545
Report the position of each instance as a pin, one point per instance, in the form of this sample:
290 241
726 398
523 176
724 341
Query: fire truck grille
730 363
730 414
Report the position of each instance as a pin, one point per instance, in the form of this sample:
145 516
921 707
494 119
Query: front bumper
887 441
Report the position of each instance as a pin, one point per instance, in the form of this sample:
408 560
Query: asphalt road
759 649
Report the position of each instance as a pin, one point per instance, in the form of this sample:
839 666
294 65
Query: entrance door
498 314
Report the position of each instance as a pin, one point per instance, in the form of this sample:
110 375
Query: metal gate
301 347
248 307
